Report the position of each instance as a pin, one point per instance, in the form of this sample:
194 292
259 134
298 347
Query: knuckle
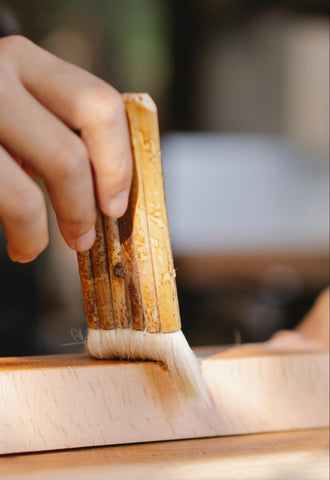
8 66
121 178
28 205
120 175
109 105
14 43
68 161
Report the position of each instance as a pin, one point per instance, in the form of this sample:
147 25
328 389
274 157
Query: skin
312 332
44 101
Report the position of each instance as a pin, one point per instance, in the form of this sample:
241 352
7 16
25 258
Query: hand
312 332
43 102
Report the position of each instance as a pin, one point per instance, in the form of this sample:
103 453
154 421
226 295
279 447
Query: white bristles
170 348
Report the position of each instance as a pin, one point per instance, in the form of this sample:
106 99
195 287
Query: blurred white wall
241 193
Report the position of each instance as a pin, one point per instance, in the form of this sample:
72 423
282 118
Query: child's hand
42 100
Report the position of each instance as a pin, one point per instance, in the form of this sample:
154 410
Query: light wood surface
69 401
298 455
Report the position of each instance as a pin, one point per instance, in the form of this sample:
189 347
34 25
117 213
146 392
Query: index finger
89 105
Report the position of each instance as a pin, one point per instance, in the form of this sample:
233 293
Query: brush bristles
170 348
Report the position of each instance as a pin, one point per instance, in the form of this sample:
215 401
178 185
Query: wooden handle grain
100 270
88 289
149 216
133 277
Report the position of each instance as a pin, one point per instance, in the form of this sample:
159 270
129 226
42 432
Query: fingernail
85 242
117 205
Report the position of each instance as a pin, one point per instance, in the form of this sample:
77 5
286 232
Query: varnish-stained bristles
128 277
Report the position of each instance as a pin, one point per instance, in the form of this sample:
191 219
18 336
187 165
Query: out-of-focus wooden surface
298 455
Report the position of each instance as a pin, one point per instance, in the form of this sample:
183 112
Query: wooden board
68 401
299 455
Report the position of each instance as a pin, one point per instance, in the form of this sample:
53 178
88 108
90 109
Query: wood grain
298 455
152 237
101 278
74 401
151 241
88 289
118 282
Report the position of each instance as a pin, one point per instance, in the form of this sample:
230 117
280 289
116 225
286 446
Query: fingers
89 105
22 211
107 139
60 158
315 325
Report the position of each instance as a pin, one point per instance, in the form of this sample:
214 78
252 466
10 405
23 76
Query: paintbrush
128 277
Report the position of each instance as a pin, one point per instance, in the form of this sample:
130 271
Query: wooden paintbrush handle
149 217
88 289
118 279
131 261
101 278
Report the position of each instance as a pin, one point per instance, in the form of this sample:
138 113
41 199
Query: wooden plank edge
86 402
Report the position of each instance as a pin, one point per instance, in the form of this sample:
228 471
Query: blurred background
242 89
